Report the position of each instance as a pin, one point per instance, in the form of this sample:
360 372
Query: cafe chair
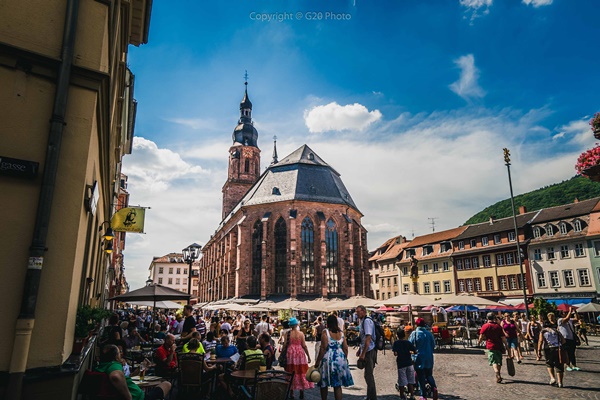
192 378
272 385
97 386
254 361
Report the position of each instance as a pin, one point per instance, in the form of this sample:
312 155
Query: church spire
275 161
245 133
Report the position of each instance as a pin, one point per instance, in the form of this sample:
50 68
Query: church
292 231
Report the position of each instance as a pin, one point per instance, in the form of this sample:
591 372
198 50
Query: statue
414 270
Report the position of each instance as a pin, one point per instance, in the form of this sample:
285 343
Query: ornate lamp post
512 202
191 254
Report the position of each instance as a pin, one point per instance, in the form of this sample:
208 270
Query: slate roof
566 211
302 175
499 225
436 237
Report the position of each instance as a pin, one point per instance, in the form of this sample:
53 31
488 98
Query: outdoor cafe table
244 374
148 383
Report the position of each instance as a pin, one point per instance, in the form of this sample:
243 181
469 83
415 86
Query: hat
361 363
420 322
293 322
313 375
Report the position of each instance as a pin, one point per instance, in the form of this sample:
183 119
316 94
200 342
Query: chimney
522 210
492 219
576 200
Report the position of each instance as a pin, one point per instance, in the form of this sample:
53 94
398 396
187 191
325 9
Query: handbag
563 356
282 359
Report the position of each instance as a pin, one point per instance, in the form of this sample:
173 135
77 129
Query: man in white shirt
444 314
227 324
434 314
566 328
262 327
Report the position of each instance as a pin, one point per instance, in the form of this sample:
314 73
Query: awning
571 301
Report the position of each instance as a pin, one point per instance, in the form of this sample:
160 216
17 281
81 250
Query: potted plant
595 125
588 163
87 321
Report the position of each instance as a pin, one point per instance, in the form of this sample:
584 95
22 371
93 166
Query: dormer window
511 236
484 240
445 246
473 243
427 250
563 228
461 245
410 253
311 156
550 230
276 191
577 225
537 232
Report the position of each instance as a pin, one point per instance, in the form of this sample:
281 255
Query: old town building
67 113
293 230
172 271
389 279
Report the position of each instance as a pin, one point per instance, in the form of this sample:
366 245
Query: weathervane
246 78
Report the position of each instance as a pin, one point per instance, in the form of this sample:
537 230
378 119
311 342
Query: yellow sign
129 219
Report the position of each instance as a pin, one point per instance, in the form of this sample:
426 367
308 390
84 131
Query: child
406 372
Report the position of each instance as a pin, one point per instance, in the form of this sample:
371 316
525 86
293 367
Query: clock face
247 153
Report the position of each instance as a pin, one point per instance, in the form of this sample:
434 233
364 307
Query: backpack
379 335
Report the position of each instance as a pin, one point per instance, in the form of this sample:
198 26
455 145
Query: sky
411 101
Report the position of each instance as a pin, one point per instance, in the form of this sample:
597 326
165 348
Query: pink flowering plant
588 159
595 122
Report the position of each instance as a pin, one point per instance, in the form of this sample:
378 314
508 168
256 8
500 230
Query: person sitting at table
133 338
265 345
111 364
166 358
210 343
199 349
251 358
225 349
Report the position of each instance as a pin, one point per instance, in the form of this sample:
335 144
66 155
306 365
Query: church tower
244 157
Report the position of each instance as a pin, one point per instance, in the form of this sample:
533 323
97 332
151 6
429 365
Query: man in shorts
495 343
406 373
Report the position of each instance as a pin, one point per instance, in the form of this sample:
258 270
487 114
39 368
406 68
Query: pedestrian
524 340
495 343
552 341
297 355
566 328
424 342
434 314
581 327
189 325
512 337
367 353
333 360
534 327
318 328
406 373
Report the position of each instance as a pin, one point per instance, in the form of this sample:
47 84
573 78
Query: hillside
549 196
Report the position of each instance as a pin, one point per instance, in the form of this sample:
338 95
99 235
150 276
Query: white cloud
537 3
467 86
333 117
195 123
578 131
476 8
478 3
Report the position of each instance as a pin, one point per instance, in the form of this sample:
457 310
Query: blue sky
410 101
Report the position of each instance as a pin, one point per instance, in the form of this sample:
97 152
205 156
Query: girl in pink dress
297 355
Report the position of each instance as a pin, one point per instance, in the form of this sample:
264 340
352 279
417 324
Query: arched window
331 257
247 166
280 256
577 224
257 235
308 256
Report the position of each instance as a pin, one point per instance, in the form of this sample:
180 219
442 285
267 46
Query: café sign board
20 168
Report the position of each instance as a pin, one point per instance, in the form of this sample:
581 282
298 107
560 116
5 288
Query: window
563 228
549 230
447 287
484 240
537 254
178 271
475 262
499 259
445 266
425 268
404 270
160 281
307 270
395 281
161 270
170 270
536 232
579 251
257 238
177 281
170 281
554 281
510 258
184 281
502 283
461 245
194 293
564 251
185 271
569 278
520 281
331 257
512 280
497 239
584 277
409 253
459 264
436 267
489 283
445 246
281 256
486 261
461 285
577 225
467 263
511 236
426 287
395 293
469 285
427 250
406 288
388 282
541 279
382 282
597 249
477 283
437 287
550 253
473 243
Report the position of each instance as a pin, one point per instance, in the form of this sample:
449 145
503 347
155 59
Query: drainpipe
26 319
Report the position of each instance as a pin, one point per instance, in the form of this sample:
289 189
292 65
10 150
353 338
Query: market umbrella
153 292
589 307
462 308
385 309
465 300
285 304
521 307
168 304
565 307
319 304
412 299
353 302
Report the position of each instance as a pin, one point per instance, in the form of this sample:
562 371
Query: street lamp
191 254
512 202
149 281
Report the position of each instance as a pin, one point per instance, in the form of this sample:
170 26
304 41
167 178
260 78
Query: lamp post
512 203
191 254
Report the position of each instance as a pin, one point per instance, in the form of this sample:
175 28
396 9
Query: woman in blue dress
333 358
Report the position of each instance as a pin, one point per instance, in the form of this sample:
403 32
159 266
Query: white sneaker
553 381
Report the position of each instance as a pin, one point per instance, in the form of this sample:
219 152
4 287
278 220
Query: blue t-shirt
224 352
367 327
424 342
402 349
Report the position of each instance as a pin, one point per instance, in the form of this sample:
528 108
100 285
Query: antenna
432 223
412 231
246 77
